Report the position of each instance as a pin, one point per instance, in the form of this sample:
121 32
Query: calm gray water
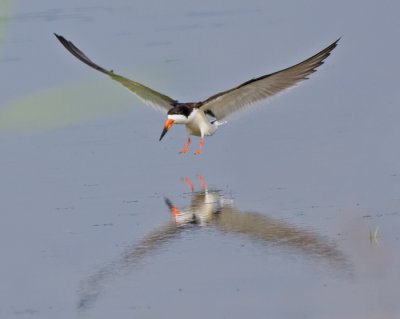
293 210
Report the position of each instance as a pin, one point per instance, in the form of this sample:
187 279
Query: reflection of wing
150 97
225 103
92 286
269 230
150 243
209 209
213 210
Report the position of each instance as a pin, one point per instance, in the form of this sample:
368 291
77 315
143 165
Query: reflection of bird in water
203 206
210 209
219 106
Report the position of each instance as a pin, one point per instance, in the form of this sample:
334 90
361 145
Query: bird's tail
218 123
214 126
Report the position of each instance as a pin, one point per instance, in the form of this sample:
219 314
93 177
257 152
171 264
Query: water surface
292 210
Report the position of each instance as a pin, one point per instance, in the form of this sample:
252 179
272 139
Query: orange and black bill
167 126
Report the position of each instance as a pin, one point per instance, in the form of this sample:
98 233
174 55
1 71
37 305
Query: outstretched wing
225 103
150 97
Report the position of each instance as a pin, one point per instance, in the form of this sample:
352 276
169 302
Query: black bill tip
165 130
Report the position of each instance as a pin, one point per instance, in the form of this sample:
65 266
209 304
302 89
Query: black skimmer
211 211
219 106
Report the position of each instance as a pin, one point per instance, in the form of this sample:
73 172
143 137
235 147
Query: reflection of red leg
186 148
203 182
198 152
189 183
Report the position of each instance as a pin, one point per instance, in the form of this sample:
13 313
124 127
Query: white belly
199 125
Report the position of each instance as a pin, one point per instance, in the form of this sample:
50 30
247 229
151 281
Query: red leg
189 183
203 182
186 148
198 152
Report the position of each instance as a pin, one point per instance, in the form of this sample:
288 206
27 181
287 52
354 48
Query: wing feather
225 103
153 98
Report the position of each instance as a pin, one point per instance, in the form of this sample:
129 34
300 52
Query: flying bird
203 118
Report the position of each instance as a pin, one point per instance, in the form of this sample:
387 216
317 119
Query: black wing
225 103
150 97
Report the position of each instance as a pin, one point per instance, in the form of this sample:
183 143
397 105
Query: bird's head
176 115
